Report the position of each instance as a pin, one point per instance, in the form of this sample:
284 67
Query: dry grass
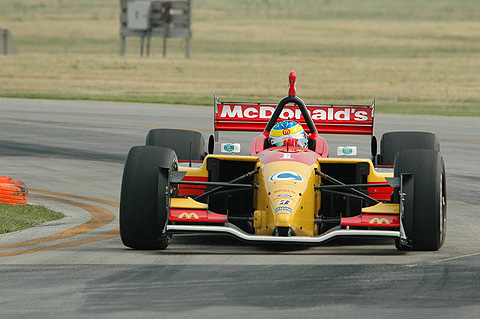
427 63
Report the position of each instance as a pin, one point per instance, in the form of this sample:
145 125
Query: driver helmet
288 130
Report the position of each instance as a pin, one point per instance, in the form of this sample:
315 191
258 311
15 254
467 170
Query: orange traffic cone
12 192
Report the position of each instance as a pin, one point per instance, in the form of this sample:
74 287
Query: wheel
188 145
143 199
394 142
425 209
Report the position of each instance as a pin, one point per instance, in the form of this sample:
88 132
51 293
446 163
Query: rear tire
394 142
143 202
188 145
429 212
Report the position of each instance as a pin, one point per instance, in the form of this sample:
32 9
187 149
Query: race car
289 189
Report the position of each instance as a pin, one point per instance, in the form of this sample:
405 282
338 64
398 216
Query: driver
288 133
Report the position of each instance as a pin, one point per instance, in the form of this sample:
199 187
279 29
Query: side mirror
374 148
211 144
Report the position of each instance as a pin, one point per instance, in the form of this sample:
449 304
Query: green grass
414 56
17 217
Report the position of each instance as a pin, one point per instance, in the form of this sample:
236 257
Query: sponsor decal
283 209
286 131
284 196
286 176
285 186
379 221
283 191
228 147
284 202
317 113
347 150
188 216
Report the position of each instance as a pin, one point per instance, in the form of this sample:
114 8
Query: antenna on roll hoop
292 78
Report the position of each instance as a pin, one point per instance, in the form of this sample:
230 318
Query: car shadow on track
202 244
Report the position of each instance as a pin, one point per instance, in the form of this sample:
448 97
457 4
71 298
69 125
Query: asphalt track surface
70 155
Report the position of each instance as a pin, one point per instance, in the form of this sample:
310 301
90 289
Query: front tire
427 218
143 205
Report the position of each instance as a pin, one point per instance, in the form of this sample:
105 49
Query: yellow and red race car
289 190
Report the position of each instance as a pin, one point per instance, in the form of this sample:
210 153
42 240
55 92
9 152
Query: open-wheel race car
289 190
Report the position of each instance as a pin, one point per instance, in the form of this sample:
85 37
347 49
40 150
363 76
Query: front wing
189 216
230 229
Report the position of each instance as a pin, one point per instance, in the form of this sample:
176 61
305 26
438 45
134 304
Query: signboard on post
7 45
162 19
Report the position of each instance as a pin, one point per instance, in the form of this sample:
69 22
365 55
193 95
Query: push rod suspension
349 187
229 184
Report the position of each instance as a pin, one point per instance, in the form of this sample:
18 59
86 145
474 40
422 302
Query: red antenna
292 78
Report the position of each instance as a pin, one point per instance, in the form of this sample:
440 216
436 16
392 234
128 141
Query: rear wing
328 119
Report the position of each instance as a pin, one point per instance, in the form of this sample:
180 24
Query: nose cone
285 189
291 202
284 207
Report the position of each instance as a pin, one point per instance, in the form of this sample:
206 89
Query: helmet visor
299 136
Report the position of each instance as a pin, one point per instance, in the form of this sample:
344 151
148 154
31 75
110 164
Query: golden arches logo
188 216
379 221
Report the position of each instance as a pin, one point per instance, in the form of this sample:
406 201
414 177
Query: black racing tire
428 216
394 142
188 145
143 199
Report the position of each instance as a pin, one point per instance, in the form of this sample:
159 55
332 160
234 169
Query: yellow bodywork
287 203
